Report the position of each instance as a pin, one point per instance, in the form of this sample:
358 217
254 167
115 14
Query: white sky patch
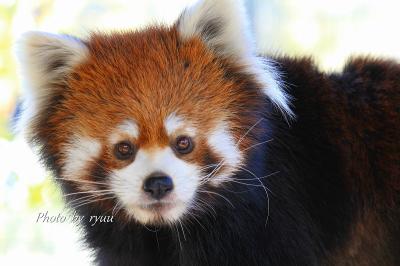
128 127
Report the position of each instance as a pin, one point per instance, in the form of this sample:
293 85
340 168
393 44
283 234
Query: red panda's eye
124 150
184 144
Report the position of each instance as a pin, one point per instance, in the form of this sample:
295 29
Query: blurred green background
328 30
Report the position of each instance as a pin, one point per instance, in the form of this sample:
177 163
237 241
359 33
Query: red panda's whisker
204 209
237 192
89 196
82 181
208 176
208 166
95 193
101 166
179 239
197 220
213 173
253 174
85 198
151 230
265 189
261 177
257 144
92 201
221 163
199 209
247 184
183 231
206 204
89 191
248 131
117 208
217 194
81 199
78 203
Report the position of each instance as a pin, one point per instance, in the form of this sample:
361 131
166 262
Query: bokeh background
329 30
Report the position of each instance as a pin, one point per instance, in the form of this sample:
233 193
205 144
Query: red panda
206 153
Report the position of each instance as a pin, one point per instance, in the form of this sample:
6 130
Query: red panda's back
357 113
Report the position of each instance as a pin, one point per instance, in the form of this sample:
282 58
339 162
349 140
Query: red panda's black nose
158 185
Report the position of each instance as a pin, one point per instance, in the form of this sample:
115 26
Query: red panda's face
157 115
143 121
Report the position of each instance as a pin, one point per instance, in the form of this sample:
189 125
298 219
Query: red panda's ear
45 62
223 26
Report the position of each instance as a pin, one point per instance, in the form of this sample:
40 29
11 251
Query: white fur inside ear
45 60
223 26
220 23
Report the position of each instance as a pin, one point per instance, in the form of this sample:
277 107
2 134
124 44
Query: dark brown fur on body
357 113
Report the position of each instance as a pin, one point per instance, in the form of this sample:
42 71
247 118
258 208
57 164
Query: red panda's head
145 119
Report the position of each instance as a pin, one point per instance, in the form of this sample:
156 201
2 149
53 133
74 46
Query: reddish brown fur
146 76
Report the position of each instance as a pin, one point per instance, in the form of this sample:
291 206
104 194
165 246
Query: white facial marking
235 41
128 182
128 127
78 153
173 123
223 144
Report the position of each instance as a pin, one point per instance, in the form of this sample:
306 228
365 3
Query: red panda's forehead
147 76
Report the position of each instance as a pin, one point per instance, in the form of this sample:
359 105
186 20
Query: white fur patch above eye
127 128
223 143
174 122
223 26
79 152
